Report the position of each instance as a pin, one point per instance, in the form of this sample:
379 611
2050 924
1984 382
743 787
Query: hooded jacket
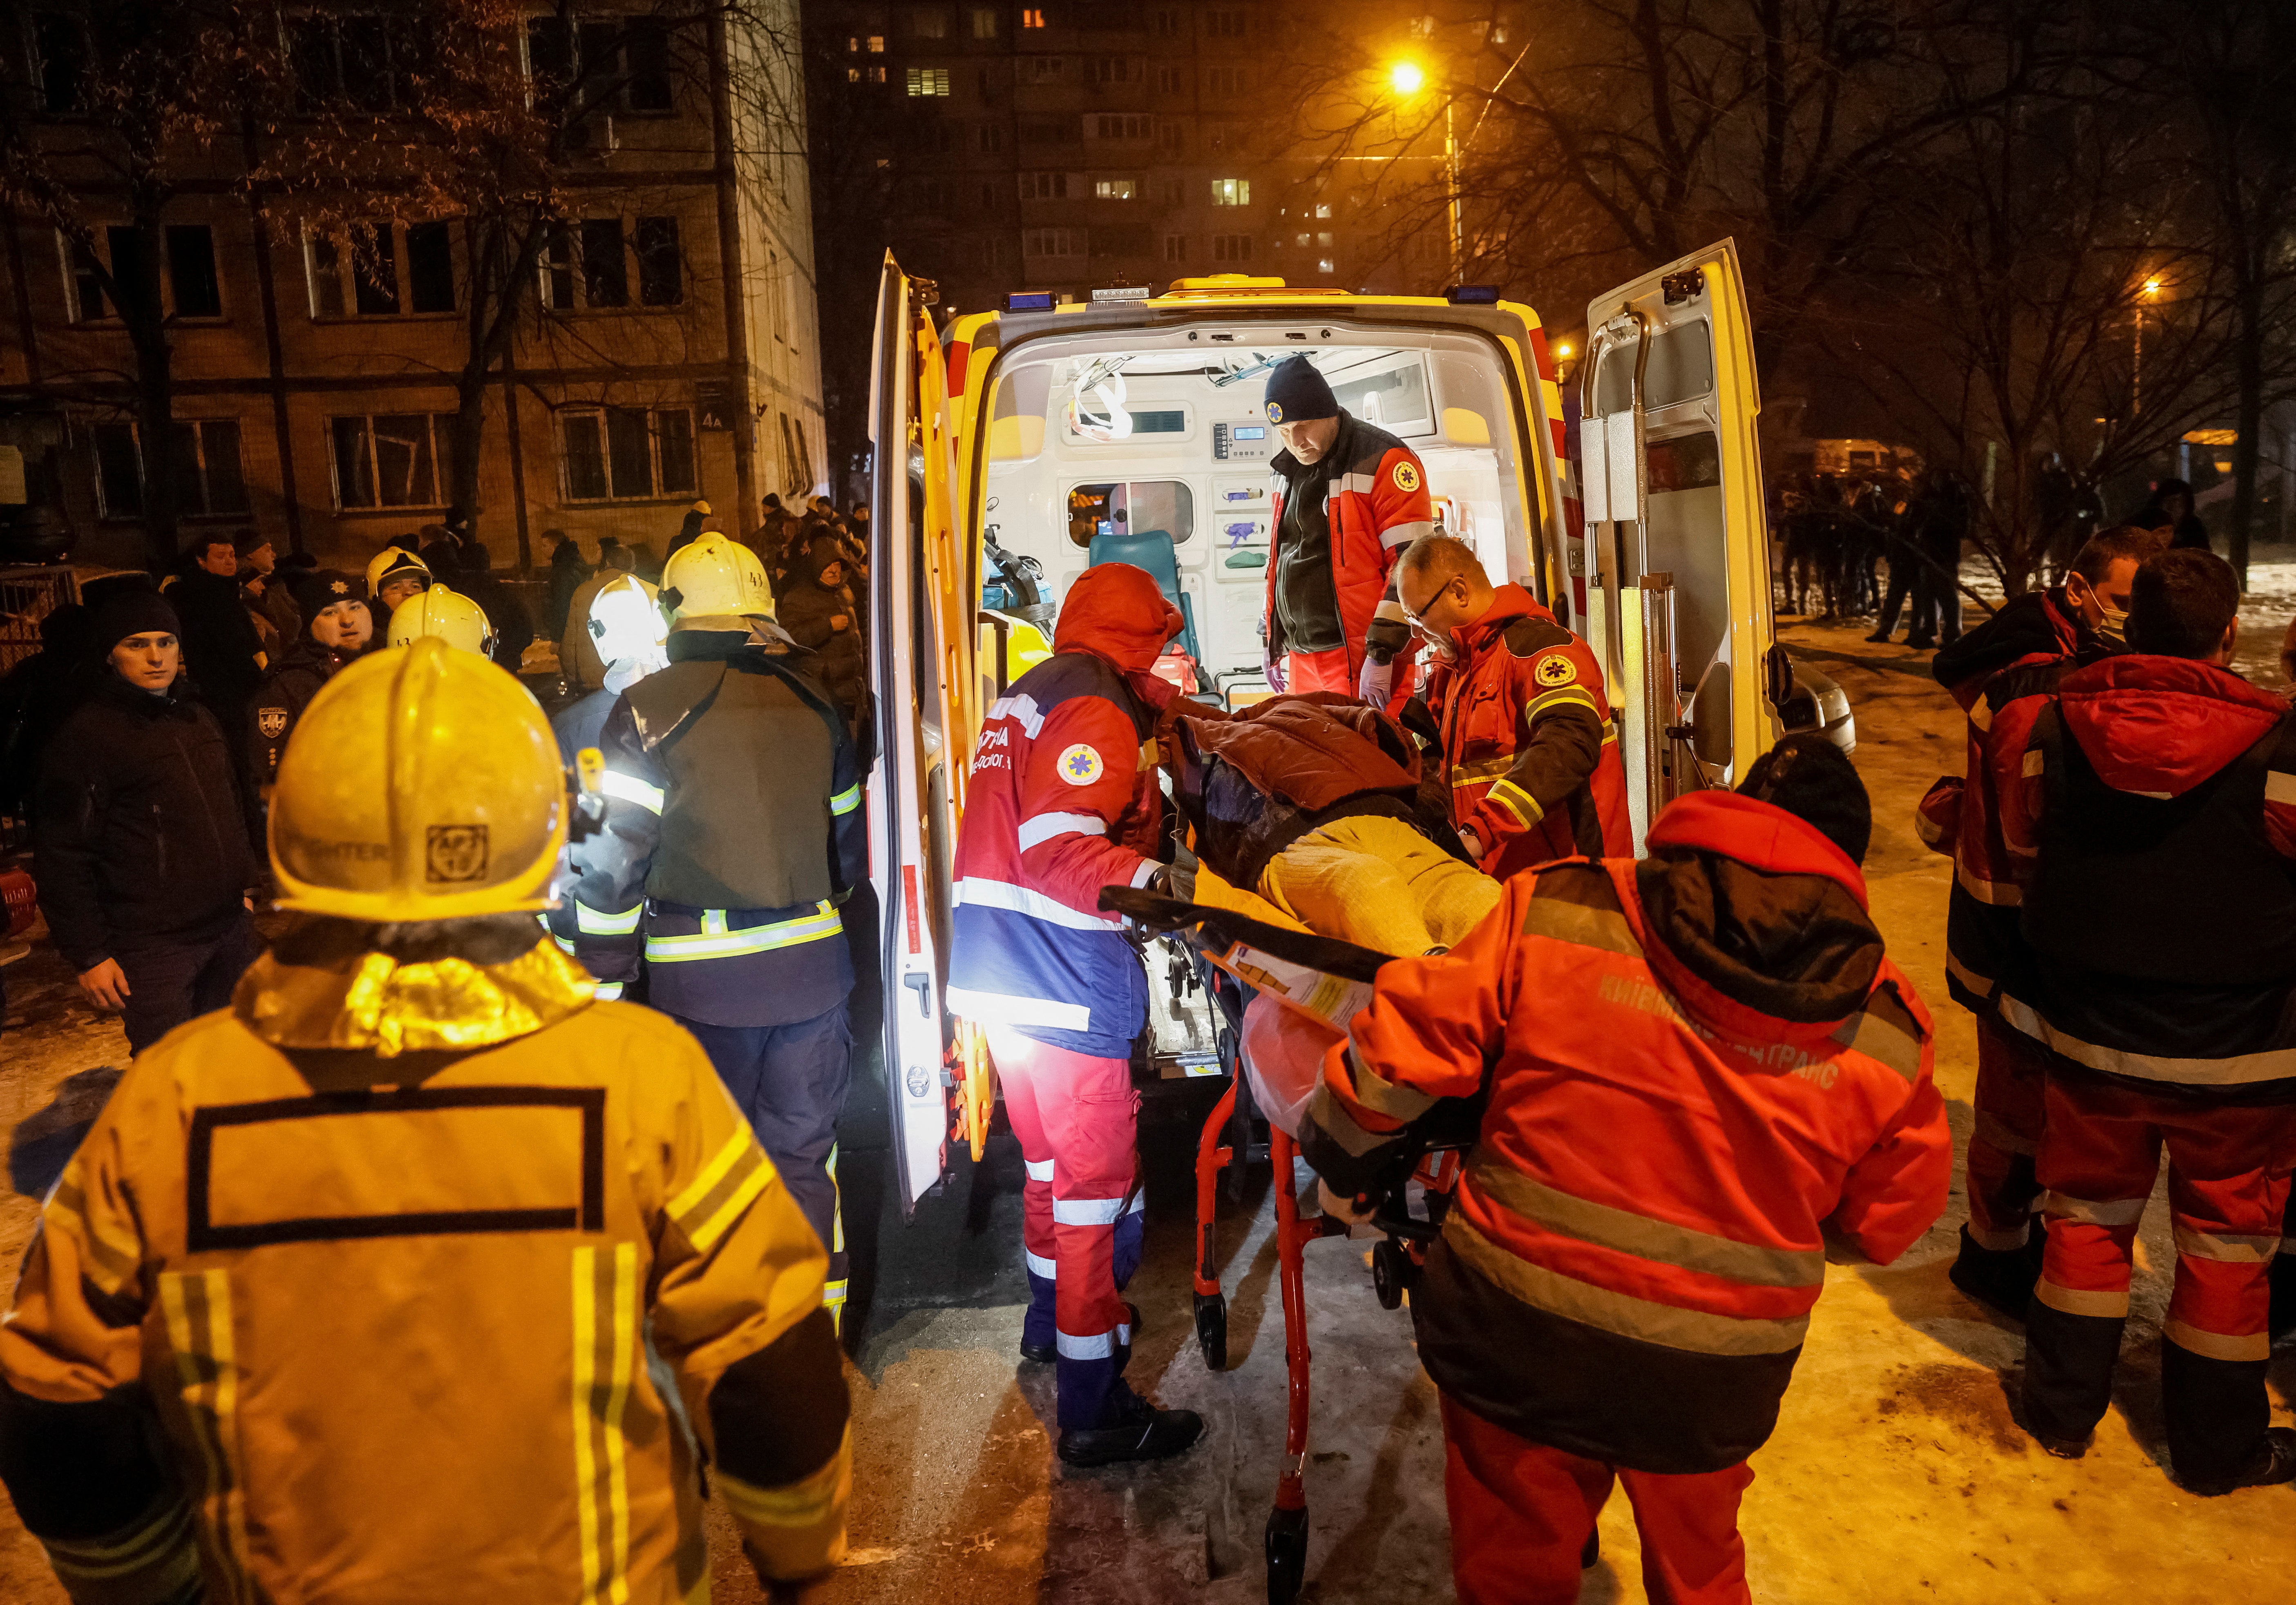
1062 800
810 611
2157 802
2004 673
1529 741
141 835
1701 1075
1252 783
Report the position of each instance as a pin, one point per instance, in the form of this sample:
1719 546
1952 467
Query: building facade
669 351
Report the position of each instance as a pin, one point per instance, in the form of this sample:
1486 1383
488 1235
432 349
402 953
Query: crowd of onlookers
1839 537
140 741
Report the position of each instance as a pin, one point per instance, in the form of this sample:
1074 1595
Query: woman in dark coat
817 610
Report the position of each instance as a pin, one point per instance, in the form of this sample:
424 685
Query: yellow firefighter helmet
393 561
626 622
717 584
421 784
449 615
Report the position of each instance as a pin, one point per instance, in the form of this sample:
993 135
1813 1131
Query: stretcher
1286 995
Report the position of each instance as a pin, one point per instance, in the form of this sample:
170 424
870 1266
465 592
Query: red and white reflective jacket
1672 1139
1063 801
1378 504
1529 740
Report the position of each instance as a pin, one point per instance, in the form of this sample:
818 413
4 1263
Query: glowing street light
2152 285
1405 78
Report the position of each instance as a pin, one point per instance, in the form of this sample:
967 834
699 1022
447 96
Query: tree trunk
2249 422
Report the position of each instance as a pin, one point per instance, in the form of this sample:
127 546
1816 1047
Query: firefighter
626 626
2160 805
1704 1079
1063 801
449 615
404 1250
1352 496
394 575
732 831
2003 673
1527 731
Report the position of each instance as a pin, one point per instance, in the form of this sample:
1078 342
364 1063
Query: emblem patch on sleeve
1406 478
1555 668
1080 765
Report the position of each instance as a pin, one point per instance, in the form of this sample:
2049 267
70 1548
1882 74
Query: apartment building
670 352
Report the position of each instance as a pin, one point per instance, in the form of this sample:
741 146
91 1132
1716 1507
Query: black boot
1145 1433
2274 1461
2282 1321
2000 1278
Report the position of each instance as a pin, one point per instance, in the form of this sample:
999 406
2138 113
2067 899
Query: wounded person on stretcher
1323 806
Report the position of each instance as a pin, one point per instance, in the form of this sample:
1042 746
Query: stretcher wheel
1211 1328
1390 1272
1287 1554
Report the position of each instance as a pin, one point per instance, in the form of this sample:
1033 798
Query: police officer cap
1297 390
315 590
1811 778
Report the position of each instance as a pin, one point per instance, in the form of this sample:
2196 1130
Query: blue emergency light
1472 295
1029 300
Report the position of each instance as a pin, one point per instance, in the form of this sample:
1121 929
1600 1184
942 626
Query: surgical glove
1377 683
1273 664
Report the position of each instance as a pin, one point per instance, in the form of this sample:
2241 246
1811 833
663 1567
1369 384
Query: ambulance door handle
920 983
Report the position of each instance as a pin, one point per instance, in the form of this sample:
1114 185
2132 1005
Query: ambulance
1016 448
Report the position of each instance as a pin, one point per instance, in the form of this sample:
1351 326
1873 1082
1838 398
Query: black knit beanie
132 610
1297 390
1811 778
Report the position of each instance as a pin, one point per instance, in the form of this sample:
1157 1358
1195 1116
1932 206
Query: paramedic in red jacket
1529 741
1705 1079
1064 800
2160 804
1352 497
2003 673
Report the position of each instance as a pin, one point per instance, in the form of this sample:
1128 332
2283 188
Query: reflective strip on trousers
605 1341
591 922
1039 1170
1087 1211
717 941
847 801
1099 1346
1048 1270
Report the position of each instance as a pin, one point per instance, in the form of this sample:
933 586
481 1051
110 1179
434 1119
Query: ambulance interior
1156 453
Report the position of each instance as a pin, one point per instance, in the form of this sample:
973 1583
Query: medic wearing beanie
1352 498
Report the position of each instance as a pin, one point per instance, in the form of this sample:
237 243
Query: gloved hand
1272 662
1470 838
1376 683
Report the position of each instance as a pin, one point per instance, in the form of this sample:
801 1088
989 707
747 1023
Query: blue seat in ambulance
1152 550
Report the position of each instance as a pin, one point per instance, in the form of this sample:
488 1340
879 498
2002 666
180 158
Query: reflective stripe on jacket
1628 1268
1378 504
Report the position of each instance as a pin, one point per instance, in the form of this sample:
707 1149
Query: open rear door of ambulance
921 633
1670 483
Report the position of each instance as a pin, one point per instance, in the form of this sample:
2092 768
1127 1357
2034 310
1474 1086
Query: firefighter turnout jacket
732 831
448 1324
1529 738
1340 525
2003 674
2158 800
1676 1132
1062 801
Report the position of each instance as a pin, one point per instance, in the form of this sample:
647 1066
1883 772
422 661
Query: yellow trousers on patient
1376 882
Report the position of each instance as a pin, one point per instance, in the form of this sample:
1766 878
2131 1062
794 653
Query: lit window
1323 208
1231 192
1114 189
1302 240
1032 17
876 45
852 75
1324 266
1324 240
929 81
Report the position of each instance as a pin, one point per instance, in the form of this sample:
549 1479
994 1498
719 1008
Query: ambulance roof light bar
1029 300
1472 295
1119 292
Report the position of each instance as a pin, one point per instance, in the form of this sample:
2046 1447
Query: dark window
61 47
88 284
390 462
605 270
118 470
374 270
430 267
131 269
585 458
354 462
647 57
550 51
327 276
674 445
662 273
208 483
629 452
368 76
191 271
311 55
557 272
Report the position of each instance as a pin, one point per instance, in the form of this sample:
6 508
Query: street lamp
1406 78
2136 366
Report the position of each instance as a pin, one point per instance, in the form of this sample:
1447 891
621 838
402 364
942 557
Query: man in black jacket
221 647
142 835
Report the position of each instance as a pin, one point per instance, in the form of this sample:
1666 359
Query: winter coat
141 836
567 573
220 641
1253 782
1340 525
1060 805
825 622
514 631
1529 738
1699 1071
2157 798
278 703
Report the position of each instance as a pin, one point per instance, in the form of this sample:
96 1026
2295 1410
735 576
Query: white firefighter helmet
626 623
449 615
717 584
421 784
